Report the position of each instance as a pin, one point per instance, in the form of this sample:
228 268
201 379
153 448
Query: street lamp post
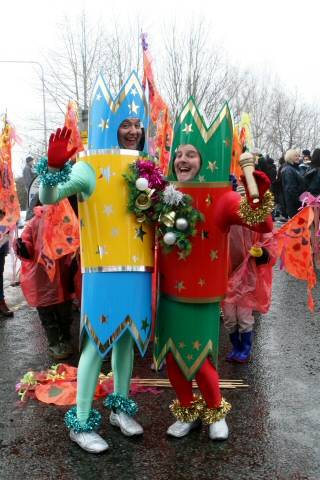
43 93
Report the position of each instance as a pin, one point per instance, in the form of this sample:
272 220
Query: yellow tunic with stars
116 252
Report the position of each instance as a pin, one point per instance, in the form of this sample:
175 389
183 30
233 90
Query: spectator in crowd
280 207
4 250
312 176
28 173
292 182
305 161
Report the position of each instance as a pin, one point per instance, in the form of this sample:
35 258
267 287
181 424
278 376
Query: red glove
58 153
263 184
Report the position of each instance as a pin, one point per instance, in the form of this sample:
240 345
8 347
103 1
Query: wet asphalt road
274 424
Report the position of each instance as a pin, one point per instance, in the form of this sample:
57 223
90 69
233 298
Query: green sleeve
82 180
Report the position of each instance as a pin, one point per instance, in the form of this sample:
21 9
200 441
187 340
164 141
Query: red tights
207 379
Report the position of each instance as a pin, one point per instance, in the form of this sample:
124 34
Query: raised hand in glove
58 153
263 184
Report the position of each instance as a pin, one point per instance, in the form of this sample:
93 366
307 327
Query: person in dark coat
4 250
292 182
312 176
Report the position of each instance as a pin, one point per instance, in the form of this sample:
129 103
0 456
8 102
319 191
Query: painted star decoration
187 128
214 255
133 91
212 166
201 178
102 250
182 344
115 232
140 233
104 124
99 96
145 324
201 282
108 209
180 286
196 345
133 108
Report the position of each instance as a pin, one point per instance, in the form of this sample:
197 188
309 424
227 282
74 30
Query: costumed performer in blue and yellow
116 254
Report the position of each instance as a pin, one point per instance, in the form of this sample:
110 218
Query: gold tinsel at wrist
212 415
253 216
187 414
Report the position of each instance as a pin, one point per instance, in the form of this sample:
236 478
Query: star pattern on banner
104 124
107 210
201 178
187 128
104 319
140 233
133 91
212 166
204 235
180 286
213 255
133 108
145 325
182 345
196 345
201 282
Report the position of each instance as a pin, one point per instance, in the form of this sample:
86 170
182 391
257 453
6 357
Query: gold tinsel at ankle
187 414
212 415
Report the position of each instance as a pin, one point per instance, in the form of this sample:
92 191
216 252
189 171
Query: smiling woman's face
130 133
187 163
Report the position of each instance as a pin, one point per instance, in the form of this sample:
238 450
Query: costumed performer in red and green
192 284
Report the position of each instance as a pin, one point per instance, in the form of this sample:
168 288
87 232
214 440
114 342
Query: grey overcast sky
281 36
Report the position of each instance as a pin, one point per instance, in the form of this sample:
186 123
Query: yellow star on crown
212 166
187 128
213 255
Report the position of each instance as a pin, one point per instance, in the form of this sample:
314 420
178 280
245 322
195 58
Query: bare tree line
188 63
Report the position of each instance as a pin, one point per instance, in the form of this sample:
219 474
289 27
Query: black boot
4 310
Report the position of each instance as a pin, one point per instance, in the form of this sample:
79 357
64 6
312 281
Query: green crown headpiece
214 142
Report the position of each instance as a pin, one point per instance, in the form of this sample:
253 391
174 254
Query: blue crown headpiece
106 113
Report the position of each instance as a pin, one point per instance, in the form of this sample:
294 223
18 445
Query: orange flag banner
294 249
159 111
61 235
237 149
71 122
9 203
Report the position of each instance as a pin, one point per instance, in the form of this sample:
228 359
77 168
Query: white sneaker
89 441
127 424
181 429
219 430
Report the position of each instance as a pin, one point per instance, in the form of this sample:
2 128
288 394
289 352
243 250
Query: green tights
90 367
